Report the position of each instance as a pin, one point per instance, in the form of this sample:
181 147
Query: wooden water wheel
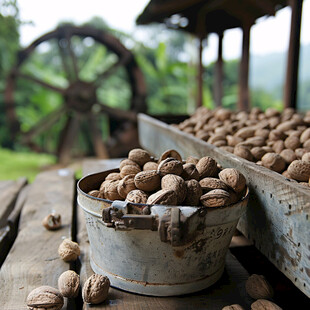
83 100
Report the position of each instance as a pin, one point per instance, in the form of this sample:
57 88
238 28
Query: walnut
274 162
209 184
129 169
113 176
194 192
69 284
172 154
275 135
150 165
96 193
163 197
263 304
258 287
245 132
175 183
139 156
300 152
233 307
137 196
190 172
148 180
68 250
243 152
192 160
45 297
170 166
128 162
305 135
292 142
288 155
258 152
299 170
207 167
278 146
306 157
126 185
52 221
110 190
96 289
215 198
233 178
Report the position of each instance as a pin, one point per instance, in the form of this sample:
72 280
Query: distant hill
268 72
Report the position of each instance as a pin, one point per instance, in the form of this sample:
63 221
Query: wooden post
200 75
291 83
218 81
244 97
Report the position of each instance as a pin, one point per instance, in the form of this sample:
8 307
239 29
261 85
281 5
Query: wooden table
33 260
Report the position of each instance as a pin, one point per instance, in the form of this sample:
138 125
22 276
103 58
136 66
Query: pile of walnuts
171 181
278 141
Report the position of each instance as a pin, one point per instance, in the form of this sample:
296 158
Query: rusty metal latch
122 216
119 217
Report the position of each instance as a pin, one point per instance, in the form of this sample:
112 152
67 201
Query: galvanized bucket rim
245 197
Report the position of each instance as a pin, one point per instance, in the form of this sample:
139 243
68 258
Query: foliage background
169 71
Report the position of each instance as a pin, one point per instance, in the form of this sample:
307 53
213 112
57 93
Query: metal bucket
156 250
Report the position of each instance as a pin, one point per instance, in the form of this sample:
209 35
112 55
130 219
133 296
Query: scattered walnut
96 193
52 221
209 184
114 176
233 307
45 297
190 172
150 165
263 304
258 287
129 169
69 284
68 250
96 289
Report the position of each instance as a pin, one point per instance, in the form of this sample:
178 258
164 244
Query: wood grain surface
33 260
228 290
277 220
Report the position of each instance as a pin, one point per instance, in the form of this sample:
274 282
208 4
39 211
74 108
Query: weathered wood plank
277 219
33 260
9 232
9 191
228 290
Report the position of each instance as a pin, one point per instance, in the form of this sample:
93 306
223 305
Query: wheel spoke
118 113
68 137
73 57
65 58
40 82
96 136
44 124
106 74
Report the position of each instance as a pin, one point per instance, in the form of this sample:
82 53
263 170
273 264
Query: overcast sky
267 36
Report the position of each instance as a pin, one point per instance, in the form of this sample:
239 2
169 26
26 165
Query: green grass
22 164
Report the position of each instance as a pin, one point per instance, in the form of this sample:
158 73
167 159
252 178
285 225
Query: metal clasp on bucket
119 217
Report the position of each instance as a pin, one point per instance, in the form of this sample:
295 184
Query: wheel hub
81 96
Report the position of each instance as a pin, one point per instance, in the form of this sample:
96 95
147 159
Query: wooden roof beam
266 6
